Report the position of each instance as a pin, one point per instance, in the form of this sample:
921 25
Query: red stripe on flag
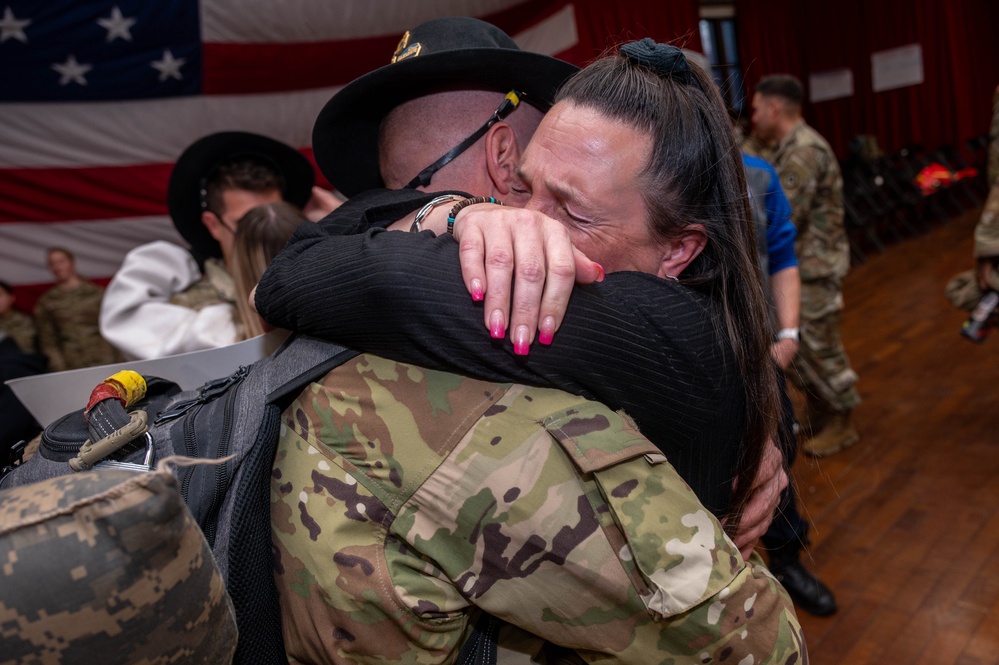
96 192
230 69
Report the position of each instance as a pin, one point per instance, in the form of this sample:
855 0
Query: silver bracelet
788 333
443 198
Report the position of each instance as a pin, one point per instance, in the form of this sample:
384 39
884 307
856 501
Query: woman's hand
770 481
523 265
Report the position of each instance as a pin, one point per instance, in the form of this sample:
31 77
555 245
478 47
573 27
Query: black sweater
635 342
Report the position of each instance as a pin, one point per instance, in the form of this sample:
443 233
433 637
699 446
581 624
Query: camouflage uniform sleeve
702 602
49 340
987 229
22 330
611 555
800 184
549 511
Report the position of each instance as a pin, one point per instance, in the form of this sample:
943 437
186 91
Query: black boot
805 589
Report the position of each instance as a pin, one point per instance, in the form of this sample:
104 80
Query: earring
673 278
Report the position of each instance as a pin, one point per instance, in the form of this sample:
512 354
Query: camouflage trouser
987 229
821 369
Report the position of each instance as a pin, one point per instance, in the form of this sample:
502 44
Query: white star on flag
71 70
117 25
12 28
169 66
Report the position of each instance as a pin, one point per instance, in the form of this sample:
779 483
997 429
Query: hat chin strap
506 107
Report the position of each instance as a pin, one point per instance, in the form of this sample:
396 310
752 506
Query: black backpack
237 416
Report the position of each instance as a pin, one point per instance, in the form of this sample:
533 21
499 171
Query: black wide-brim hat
202 157
440 52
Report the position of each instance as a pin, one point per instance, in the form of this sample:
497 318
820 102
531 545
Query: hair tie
665 60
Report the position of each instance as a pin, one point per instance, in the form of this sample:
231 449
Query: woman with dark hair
690 178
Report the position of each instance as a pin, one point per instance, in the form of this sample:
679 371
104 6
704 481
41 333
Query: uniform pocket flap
595 437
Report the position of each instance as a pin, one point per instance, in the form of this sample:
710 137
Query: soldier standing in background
987 229
66 316
810 176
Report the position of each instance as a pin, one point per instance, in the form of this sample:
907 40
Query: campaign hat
196 163
436 54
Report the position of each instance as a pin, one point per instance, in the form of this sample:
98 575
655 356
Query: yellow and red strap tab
126 386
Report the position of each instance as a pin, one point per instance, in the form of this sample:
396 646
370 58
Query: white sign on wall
834 84
897 68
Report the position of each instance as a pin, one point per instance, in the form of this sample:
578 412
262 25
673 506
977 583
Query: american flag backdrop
97 98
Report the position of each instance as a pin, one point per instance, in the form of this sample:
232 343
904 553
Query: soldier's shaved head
420 130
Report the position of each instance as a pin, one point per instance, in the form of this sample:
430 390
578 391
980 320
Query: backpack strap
250 577
480 647
300 361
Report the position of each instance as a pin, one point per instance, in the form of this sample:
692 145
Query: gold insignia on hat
405 49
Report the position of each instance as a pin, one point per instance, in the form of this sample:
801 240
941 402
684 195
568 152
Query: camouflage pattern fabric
754 146
67 328
403 499
987 229
108 566
21 328
215 287
810 176
821 368
962 289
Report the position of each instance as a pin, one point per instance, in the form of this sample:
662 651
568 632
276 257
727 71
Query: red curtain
603 25
960 64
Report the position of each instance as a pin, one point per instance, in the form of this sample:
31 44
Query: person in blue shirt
775 234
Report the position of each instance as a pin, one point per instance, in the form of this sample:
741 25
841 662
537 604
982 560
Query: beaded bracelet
443 198
464 204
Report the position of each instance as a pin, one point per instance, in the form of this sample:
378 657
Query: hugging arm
633 341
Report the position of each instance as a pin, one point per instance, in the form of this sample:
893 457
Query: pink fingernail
497 329
601 276
547 330
477 293
521 341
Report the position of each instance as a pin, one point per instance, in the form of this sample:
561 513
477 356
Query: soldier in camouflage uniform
966 289
811 178
18 326
987 237
66 316
987 230
404 498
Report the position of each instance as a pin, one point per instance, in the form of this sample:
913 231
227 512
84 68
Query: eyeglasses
509 103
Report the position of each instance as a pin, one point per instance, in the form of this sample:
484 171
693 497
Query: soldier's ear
213 224
502 156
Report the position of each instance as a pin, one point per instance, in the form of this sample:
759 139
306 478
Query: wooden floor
905 525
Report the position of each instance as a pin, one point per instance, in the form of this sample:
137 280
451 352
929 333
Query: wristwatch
788 333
